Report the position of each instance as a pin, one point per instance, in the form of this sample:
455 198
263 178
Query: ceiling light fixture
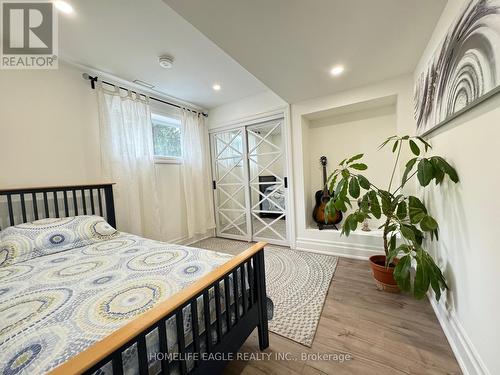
337 70
166 62
64 7
216 87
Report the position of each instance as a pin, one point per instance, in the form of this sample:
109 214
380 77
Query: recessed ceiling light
337 70
216 87
64 7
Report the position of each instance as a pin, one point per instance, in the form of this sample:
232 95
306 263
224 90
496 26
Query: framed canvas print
464 70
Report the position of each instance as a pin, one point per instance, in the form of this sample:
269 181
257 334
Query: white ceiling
125 38
291 45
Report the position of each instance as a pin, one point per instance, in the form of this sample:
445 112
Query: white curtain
196 174
128 160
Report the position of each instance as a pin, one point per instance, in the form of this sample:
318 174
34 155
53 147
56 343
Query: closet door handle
214 184
286 182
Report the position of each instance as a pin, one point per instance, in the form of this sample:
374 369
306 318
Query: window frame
159 159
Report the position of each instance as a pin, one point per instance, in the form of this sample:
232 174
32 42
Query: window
166 138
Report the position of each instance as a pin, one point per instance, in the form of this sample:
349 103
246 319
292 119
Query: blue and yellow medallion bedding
67 283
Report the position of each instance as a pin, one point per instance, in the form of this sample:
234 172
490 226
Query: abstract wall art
464 70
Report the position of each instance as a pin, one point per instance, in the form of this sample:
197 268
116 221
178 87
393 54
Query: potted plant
405 217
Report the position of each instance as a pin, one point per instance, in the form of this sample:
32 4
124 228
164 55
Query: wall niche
345 131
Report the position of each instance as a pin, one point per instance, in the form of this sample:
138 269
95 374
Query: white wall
49 128
468 216
49 135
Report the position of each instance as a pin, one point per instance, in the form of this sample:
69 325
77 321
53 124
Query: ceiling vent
166 62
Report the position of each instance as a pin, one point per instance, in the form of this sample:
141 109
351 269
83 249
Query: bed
276 200
274 204
88 299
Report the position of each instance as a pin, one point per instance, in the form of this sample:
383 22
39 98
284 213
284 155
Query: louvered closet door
267 180
230 171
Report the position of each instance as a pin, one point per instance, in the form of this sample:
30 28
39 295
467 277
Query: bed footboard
210 345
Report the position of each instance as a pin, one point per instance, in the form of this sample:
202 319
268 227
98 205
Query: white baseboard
467 356
341 249
185 240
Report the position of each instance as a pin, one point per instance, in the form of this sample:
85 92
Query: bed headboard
23 205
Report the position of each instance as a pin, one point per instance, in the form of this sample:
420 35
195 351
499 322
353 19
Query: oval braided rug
297 283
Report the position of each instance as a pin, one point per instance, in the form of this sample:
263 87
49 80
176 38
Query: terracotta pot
383 275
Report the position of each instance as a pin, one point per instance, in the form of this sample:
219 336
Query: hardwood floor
383 333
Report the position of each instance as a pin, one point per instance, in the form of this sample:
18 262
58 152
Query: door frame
281 112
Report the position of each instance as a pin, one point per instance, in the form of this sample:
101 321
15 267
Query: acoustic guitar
322 197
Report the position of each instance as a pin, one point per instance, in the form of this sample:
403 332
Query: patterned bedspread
276 200
56 305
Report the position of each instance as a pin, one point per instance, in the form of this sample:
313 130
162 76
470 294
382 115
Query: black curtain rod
93 80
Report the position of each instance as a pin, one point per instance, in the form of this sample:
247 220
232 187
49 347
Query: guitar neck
324 175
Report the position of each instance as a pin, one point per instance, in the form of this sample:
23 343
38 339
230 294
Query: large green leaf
428 224
359 166
446 168
402 273
361 216
434 276
392 242
340 186
395 146
374 204
425 172
437 279
365 203
408 168
354 188
408 233
363 182
417 210
401 212
353 222
414 148
340 205
347 200
385 197
346 226
422 276
438 172
419 236
332 184
438 282
354 158
346 229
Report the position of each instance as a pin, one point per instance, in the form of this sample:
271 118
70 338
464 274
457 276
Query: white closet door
230 171
267 180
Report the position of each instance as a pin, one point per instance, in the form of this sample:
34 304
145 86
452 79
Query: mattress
57 305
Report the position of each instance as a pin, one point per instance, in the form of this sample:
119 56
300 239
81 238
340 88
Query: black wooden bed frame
249 310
